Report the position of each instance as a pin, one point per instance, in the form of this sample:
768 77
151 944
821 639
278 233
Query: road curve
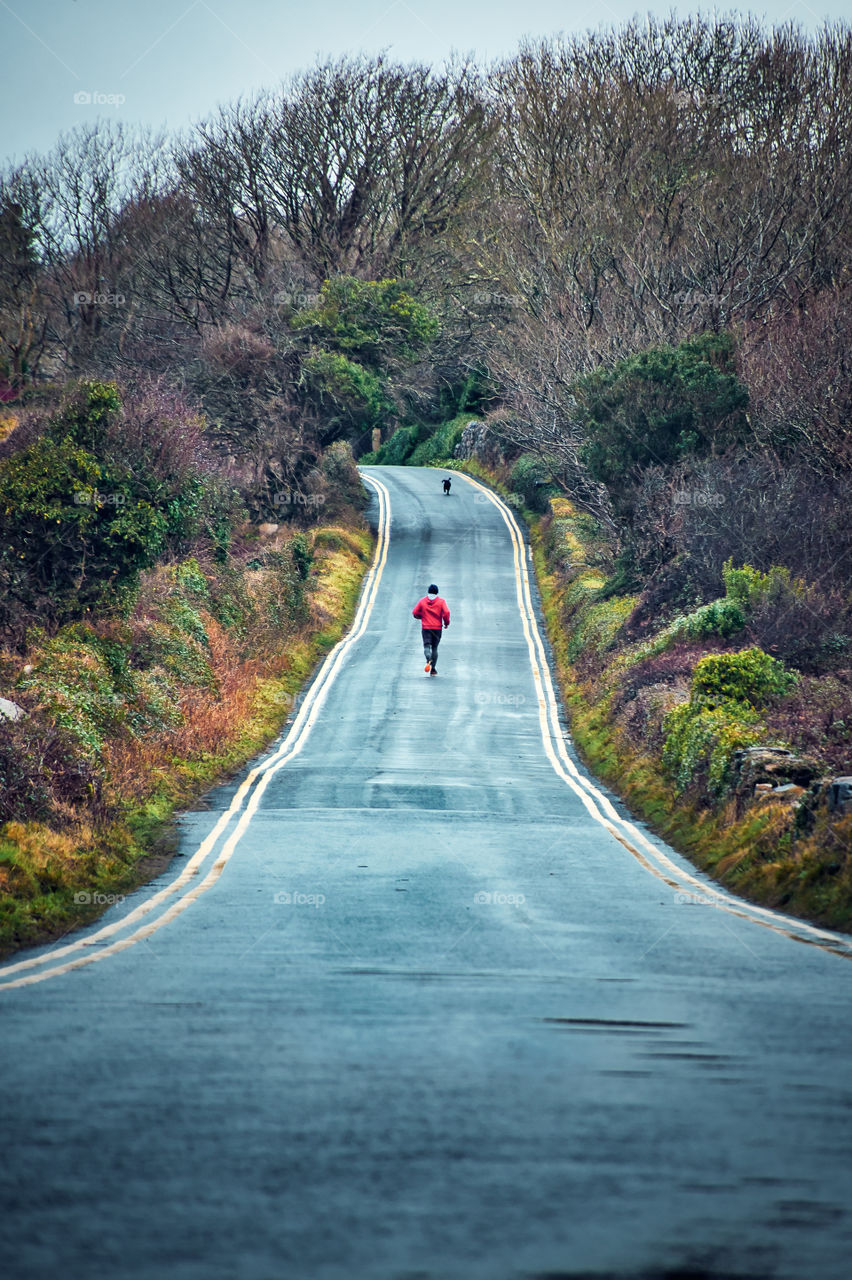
418 999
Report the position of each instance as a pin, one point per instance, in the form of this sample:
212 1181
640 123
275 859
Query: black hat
432 588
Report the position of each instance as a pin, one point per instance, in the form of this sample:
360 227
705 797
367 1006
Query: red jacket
432 613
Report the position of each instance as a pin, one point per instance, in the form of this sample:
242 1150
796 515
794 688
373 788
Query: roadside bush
352 397
302 555
748 587
70 530
816 716
41 770
71 683
174 651
97 494
700 742
532 479
655 408
750 676
719 618
808 626
441 444
727 695
372 320
396 450
598 625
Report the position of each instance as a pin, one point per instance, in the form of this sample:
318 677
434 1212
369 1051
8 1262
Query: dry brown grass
257 668
214 723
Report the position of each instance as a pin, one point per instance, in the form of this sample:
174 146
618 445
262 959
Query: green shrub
532 478
657 407
181 615
371 320
230 600
302 555
174 651
397 450
718 618
157 703
440 445
809 625
71 529
749 588
598 624
353 396
700 742
99 495
73 686
750 676
727 694
189 576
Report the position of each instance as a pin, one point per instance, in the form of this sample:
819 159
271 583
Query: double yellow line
596 803
189 885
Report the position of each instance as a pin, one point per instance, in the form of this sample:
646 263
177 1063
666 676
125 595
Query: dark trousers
431 640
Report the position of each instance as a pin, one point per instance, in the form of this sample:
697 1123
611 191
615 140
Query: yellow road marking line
260 775
590 795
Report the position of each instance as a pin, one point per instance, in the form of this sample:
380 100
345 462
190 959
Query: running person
433 614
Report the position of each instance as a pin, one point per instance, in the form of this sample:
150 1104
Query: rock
774 765
840 795
788 793
476 441
11 710
267 530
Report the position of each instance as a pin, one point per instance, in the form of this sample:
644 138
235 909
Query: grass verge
794 858
63 870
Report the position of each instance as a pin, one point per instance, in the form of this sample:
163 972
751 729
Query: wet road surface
415 1003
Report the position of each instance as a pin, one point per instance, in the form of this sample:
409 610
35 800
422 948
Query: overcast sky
169 62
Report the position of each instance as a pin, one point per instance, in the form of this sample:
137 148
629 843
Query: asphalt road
417 1001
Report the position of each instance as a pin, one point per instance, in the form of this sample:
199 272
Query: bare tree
366 162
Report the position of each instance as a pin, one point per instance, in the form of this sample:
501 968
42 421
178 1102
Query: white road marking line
260 775
590 795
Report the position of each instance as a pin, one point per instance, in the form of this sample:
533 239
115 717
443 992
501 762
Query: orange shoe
428 667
